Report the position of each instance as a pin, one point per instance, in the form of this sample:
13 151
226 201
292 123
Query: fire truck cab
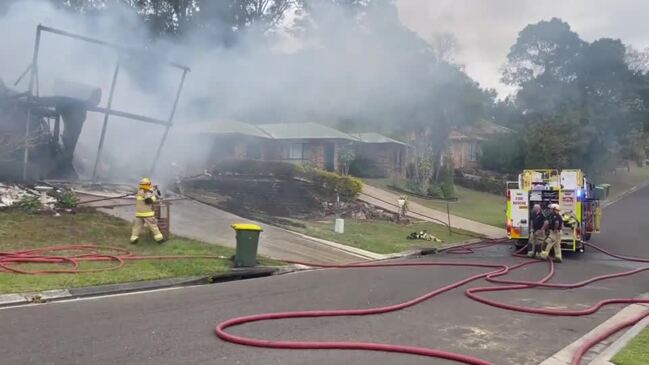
576 196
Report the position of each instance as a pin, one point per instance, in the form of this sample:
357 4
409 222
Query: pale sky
487 28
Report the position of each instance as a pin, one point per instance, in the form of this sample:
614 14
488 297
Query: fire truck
577 198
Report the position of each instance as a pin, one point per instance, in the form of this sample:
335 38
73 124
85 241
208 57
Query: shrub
30 204
282 170
66 199
331 183
435 191
349 187
413 186
448 190
488 184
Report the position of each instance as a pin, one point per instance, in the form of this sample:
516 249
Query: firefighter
144 213
555 225
539 226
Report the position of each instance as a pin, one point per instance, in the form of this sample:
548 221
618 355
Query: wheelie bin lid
246 227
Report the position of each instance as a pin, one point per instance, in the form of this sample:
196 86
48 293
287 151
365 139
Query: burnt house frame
35 102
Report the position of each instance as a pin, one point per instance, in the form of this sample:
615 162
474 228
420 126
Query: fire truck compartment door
519 213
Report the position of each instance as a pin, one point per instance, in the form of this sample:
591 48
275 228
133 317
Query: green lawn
622 180
636 352
19 231
379 236
475 205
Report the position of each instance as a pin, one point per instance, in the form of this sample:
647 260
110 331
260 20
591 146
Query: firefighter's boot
531 252
544 254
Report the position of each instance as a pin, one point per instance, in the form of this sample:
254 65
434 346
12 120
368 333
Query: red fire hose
11 261
496 271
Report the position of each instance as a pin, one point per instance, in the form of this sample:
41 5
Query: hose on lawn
494 275
12 261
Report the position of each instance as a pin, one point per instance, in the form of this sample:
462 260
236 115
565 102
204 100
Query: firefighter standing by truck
539 225
144 211
555 225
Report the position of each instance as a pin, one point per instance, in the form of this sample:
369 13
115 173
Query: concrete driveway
208 224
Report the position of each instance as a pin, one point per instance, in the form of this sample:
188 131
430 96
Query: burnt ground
266 199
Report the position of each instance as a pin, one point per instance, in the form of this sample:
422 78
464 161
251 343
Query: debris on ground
423 235
13 194
42 198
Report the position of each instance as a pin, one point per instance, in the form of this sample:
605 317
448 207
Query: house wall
464 153
240 150
386 156
247 148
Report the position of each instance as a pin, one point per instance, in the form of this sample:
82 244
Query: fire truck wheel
520 244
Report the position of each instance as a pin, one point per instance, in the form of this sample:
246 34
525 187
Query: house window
295 151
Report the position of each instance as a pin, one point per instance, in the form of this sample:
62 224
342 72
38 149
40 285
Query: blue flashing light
578 193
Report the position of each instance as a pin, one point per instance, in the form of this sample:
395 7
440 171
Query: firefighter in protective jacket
554 236
144 213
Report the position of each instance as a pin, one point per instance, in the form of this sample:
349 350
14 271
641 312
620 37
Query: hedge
331 183
283 170
485 184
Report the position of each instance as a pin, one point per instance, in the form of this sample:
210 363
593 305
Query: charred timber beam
169 122
122 114
105 125
103 43
32 76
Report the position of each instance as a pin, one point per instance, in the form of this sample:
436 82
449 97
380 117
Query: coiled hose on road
493 275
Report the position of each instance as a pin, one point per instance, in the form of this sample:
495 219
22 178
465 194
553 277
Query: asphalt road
177 326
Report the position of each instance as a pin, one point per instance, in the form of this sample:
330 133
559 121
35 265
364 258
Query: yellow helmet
145 183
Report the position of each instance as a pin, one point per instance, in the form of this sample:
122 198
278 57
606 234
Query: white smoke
339 69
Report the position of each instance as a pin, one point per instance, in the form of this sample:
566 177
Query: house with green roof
304 143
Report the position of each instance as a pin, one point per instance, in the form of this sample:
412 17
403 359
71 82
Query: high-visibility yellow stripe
145 214
153 198
139 198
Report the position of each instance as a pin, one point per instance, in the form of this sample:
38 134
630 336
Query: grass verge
623 180
475 205
20 231
379 236
635 352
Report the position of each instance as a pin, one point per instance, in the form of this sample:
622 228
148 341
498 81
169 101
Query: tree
222 18
445 47
346 156
576 101
547 48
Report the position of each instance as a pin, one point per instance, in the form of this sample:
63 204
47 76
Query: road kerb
610 352
564 356
17 299
625 194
